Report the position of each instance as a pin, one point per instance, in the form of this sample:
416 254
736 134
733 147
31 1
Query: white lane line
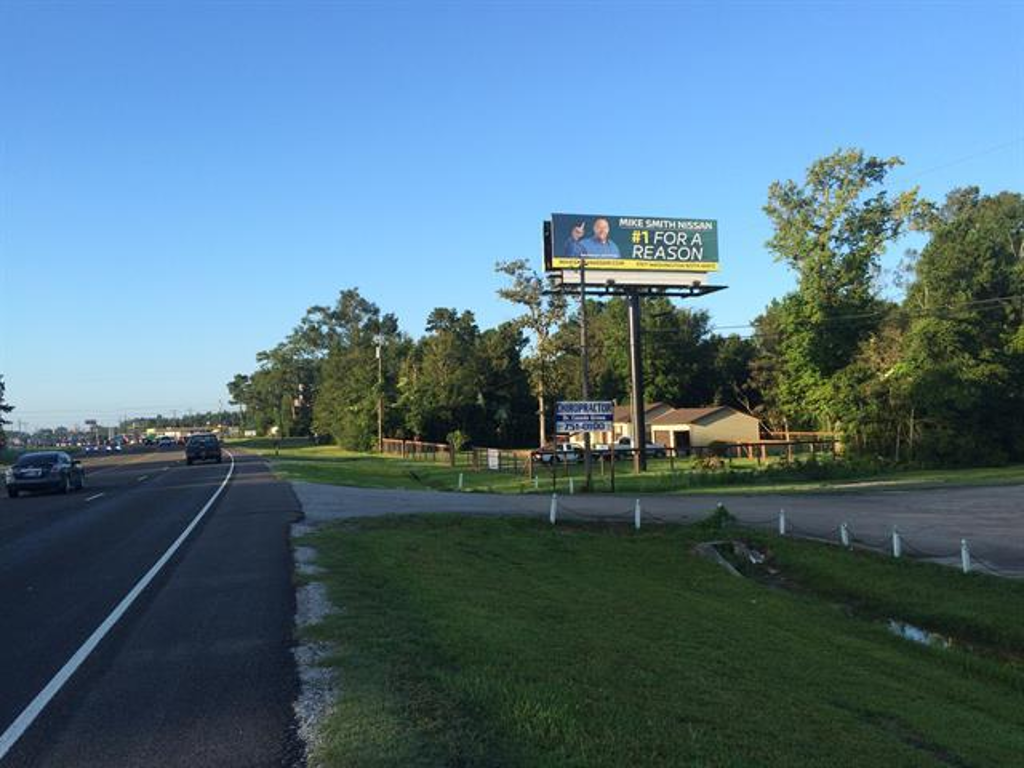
35 707
139 480
96 496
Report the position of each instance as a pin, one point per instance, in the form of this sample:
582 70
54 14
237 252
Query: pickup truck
624 446
563 453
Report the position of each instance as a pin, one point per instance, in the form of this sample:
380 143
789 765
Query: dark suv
202 448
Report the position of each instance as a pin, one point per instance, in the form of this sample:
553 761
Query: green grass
472 642
298 460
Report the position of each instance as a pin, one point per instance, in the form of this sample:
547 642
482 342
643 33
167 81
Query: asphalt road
932 521
198 671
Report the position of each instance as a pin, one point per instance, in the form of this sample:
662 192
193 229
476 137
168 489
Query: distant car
202 448
165 442
44 471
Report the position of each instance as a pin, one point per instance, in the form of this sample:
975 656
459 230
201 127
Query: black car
45 471
202 448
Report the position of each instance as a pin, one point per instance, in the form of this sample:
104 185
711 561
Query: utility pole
585 370
636 370
380 393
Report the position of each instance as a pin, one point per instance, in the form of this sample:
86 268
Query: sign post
585 363
636 372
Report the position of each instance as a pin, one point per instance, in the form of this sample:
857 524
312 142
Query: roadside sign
493 458
583 416
633 243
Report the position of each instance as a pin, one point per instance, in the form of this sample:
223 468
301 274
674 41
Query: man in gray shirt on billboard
598 244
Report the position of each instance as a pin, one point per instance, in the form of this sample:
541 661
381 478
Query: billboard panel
583 416
633 243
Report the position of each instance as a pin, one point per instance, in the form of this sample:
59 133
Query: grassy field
504 642
298 460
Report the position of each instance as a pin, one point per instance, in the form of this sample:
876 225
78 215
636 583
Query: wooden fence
498 459
504 460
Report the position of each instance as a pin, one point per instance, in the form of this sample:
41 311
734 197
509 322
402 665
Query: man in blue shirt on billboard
598 244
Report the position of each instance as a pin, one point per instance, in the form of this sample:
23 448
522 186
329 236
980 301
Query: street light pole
380 393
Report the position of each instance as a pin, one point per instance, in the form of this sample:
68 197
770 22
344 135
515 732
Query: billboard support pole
588 469
636 371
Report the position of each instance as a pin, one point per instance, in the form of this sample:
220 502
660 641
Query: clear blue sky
179 182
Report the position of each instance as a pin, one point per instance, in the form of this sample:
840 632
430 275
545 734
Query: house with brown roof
684 428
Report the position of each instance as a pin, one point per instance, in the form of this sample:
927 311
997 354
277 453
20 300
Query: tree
505 386
349 388
964 353
832 230
685 363
441 383
542 315
4 409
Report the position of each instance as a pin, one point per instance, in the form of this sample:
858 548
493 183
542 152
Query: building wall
728 427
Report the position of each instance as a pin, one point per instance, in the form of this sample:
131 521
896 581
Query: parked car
562 453
165 442
624 447
202 448
44 471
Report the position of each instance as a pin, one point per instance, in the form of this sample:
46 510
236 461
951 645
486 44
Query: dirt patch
318 685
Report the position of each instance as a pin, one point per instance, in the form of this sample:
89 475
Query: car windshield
203 440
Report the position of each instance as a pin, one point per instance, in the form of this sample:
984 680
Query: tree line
934 377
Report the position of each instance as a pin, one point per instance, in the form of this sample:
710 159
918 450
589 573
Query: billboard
583 416
633 243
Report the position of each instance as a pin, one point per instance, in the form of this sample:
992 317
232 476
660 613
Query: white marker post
782 522
460 481
553 513
536 482
844 535
897 543
636 515
965 556
572 488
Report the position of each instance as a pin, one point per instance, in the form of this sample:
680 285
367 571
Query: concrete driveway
931 521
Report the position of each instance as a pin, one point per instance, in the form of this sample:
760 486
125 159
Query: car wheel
188 462
12 492
81 483
219 460
66 488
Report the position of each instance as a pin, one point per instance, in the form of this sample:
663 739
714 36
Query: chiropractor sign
633 243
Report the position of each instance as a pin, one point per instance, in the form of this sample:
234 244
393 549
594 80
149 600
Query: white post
844 535
536 482
782 522
636 515
554 508
572 489
965 556
897 543
460 481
